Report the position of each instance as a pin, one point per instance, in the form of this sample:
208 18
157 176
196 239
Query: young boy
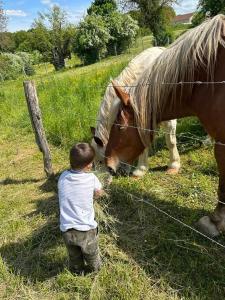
77 187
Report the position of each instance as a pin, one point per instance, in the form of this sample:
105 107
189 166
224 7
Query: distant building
183 19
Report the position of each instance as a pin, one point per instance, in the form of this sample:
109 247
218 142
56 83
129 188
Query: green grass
146 254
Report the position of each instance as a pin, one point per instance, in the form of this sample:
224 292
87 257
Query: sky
21 13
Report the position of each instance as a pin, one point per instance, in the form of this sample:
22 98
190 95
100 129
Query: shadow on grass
168 252
40 256
9 181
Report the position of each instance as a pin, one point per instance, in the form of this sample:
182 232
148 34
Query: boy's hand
100 193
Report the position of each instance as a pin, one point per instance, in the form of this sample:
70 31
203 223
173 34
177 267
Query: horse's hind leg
171 142
215 224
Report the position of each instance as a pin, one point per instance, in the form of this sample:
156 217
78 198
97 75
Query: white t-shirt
76 191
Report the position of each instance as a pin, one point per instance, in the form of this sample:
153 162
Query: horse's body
110 106
198 55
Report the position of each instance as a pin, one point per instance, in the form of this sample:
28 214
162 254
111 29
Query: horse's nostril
111 171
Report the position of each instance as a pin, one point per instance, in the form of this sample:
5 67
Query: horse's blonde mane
110 103
196 48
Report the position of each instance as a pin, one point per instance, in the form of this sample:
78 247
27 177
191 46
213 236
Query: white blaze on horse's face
99 155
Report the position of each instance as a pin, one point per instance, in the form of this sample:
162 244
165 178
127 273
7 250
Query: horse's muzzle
111 171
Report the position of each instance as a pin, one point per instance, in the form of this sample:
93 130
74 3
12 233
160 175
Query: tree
105 19
208 8
91 39
156 16
6 41
53 36
122 29
102 7
3 18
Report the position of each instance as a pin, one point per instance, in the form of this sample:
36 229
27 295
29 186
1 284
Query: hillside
147 255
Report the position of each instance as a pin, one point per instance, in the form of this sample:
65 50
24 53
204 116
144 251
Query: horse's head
124 143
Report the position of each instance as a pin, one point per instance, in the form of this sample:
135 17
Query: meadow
146 254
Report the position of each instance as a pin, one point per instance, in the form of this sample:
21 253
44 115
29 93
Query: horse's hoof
172 171
138 173
206 226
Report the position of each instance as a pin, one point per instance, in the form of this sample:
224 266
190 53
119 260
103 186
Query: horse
198 56
110 106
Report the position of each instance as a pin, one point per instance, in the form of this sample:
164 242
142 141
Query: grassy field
146 254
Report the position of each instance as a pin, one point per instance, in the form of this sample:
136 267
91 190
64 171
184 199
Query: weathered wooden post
36 121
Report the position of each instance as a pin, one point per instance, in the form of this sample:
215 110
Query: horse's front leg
171 142
142 166
215 223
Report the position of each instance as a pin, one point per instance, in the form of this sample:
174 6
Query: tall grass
65 97
146 255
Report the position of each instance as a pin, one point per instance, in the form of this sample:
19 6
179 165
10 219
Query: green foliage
36 57
27 63
3 18
123 30
11 66
157 15
7 43
102 7
208 8
146 255
91 39
14 65
21 37
104 31
53 36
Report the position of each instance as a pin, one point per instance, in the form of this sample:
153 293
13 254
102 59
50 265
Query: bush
27 63
123 30
98 36
36 57
91 39
163 37
13 65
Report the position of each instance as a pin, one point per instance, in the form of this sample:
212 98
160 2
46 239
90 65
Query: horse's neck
175 109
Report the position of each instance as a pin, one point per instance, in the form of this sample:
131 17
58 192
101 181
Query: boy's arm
98 190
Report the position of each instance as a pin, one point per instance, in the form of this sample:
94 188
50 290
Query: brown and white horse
198 55
110 106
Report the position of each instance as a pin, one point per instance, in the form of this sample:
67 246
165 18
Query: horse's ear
98 141
92 130
124 97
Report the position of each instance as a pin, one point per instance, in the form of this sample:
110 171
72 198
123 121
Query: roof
180 18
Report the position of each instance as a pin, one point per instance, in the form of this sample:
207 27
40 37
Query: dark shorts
83 250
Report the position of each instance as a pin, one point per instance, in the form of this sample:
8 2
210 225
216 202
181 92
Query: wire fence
188 135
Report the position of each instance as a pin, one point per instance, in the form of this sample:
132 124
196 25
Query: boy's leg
76 259
91 251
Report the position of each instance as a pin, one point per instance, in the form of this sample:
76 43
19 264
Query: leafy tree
104 31
14 65
53 36
91 39
21 37
157 15
102 7
6 41
3 18
123 30
208 8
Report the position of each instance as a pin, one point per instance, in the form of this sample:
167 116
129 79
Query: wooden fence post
36 121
